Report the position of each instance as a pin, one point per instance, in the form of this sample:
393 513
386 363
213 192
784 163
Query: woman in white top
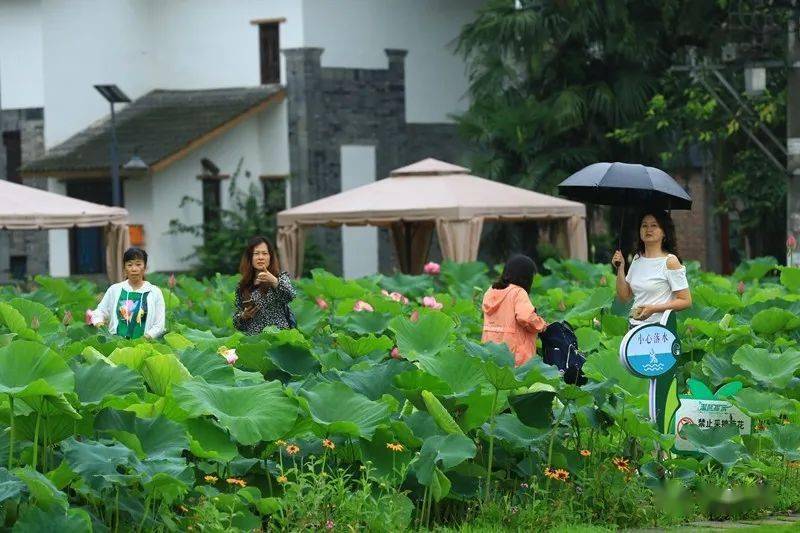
656 279
133 308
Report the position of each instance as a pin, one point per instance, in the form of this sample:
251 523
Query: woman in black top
264 292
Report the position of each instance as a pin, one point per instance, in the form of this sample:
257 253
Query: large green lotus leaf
720 370
455 367
376 380
205 339
15 322
308 315
34 312
790 278
293 359
161 372
363 346
477 407
762 404
588 339
155 438
71 521
41 489
52 405
445 450
30 369
95 382
92 355
10 486
176 341
772 369
208 365
366 323
715 298
410 286
462 278
534 409
440 485
614 326
419 380
605 365
252 353
786 439
131 356
250 413
424 338
386 463
342 411
56 427
334 288
209 441
590 307
716 443
774 320
508 428
754 269
98 464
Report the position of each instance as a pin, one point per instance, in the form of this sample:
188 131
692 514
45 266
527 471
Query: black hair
132 254
670 242
519 270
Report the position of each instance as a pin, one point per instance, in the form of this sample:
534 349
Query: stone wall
331 107
30 245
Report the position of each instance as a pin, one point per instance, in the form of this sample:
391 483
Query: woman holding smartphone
264 292
656 279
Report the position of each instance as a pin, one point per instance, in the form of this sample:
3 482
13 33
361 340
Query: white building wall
359 244
354 33
58 239
21 84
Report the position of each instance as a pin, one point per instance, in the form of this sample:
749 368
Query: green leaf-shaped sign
251 413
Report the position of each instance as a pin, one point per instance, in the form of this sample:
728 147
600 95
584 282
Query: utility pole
793 135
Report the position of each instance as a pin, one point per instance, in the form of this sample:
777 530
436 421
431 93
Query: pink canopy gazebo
28 208
427 195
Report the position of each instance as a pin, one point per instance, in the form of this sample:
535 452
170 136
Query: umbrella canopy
625 184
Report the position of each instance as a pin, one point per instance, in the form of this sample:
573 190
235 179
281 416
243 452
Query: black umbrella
627 185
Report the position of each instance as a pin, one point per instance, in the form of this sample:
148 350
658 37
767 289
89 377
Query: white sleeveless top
653 283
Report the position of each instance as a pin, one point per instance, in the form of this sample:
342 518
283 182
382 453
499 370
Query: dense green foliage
323 427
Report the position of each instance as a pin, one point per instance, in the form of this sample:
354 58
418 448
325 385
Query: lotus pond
383 412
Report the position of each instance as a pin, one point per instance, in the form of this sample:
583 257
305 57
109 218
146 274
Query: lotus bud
562 306
67 318
322 304
791 242
87 317
35 322
229 354
362 306
596 323
396 353
603 281
432 268
740 288
430 302
171 281
414 316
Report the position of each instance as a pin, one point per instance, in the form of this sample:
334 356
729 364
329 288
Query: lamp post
114 95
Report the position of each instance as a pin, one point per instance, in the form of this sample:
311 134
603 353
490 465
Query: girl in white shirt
656 279
133 308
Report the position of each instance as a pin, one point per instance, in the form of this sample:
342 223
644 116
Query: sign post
651 351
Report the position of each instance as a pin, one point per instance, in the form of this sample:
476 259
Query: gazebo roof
428 190
28 208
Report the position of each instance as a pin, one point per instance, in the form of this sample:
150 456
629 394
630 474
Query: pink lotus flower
229 354
395 296
740 288
67 318
87 317
791 242
432 268
322 304
361 305
431 303
171 281
396 353
414 316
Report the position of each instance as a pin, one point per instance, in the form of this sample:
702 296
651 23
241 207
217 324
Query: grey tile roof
155 126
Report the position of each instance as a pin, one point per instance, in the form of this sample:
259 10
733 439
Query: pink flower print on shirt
126 309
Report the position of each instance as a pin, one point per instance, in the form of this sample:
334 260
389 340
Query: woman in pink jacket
508 315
